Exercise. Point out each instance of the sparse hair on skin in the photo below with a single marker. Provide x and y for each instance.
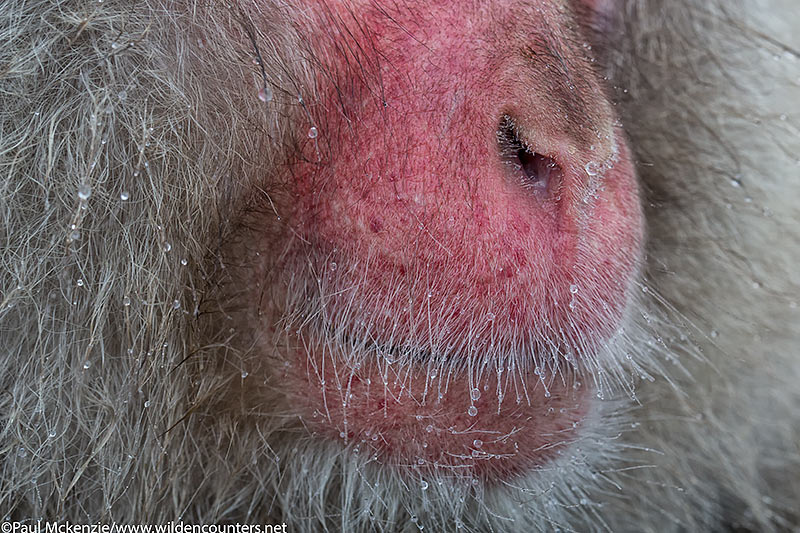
(133, 135)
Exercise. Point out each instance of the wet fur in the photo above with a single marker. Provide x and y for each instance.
(114, 412)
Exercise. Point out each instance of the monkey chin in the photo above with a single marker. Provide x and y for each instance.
(418, 422)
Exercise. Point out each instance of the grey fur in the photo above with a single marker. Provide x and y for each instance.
(104, 417)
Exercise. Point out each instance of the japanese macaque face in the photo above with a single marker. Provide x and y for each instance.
(444, 277)
(384, 266)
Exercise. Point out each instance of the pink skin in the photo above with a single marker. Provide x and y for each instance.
(412, 204)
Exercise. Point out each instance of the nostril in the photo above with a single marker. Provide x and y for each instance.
(531, 169)
(537, 169)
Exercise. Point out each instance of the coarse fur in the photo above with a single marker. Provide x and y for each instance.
(116, 401)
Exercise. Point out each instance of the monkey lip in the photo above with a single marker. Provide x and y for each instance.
(422, 418)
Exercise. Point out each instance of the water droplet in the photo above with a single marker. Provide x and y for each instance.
(472, 411)
(184, 261)
(573, 289)
(244, 374)
(429, 428)
(84, 191)
(312, 132)
(167, 247)
(52, 433)
(475, 394)
(265, 94)
(147, 403)
(176, 304)
(592, 168)
(126, 301)
(333, 266)
(477, 443)
(86, 365)
(424, 485)
(124, 195)
(79, 282)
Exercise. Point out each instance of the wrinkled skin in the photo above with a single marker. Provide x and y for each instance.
(384, 266)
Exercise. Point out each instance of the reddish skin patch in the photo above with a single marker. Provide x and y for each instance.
(410, 426)
(416, 187)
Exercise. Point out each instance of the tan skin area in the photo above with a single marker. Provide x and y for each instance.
(403, 213)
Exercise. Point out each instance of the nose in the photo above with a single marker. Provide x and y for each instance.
(474, 179)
